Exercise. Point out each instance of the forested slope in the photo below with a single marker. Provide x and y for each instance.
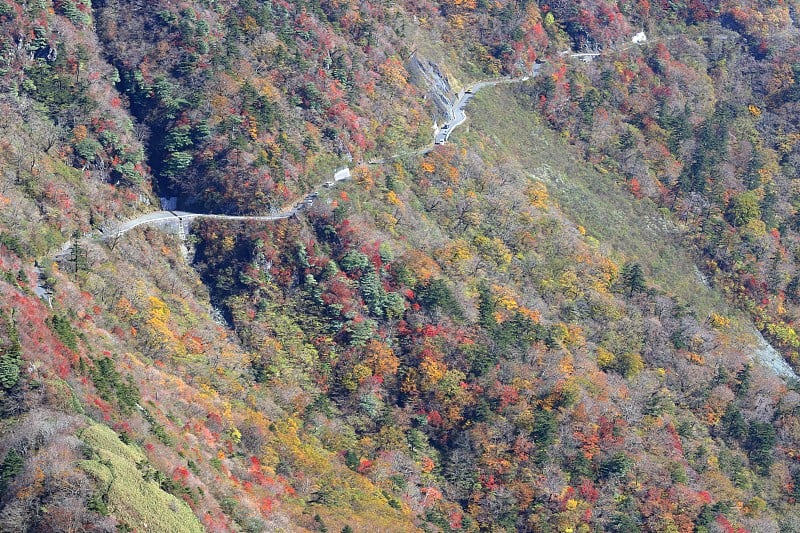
(544, 325)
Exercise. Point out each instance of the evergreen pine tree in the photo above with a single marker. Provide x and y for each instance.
(9, 468)
(633, 278)
(78, 256)
(743, 379)
(11, 358)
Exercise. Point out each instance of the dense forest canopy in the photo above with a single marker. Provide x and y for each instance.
(578, 314)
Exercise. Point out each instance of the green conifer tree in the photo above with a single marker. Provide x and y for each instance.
(11, 358)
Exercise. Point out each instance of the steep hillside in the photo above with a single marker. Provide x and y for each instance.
(547, 323)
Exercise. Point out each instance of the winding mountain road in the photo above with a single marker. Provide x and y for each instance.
(441, 135)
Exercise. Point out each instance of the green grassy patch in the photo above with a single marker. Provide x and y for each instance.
(126, 495)
(624, 228)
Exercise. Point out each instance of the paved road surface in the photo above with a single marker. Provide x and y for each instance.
(144, 219)
(184, 216)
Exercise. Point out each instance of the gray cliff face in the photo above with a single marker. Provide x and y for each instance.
(426, 73)
(770, 357)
